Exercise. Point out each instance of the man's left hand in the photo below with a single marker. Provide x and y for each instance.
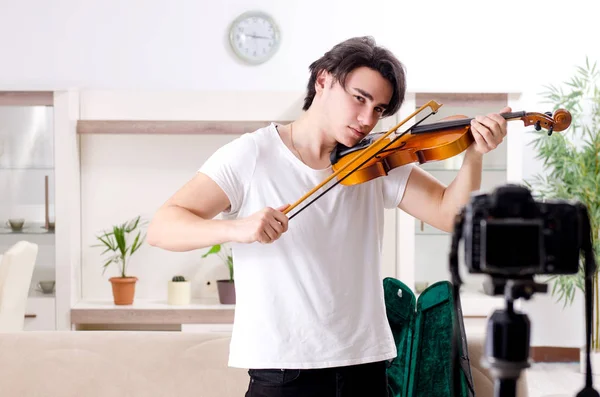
(489, 131)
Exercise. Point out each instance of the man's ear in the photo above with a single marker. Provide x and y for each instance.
(323, 78)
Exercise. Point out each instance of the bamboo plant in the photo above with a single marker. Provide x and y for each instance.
(571, 161)
(115, 243)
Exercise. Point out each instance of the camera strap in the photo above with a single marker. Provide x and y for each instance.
(457, 363)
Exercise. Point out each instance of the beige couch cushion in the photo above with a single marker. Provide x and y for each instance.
(129, 363)
(105, 363)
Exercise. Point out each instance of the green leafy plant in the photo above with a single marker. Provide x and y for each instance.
(571, 160)
(115, 241)
(223, 252)
(178, 279)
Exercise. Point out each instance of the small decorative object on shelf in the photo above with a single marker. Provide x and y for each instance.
(179, 291)
(16, 224)
(47, 224)
(46, 287)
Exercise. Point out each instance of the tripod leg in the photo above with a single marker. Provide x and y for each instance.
(505, 387)
(507, 349)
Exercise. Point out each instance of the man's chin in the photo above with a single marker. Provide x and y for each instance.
(349, 140)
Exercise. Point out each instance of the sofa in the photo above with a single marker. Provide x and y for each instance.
(16, 270)
(141, 363)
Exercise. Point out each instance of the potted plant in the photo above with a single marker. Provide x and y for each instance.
(226, 288)
(179, 291)
(572, 166)
(115, 241)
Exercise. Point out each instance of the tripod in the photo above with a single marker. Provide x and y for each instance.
(508, 333)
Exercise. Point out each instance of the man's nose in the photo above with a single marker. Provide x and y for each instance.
(367, 118)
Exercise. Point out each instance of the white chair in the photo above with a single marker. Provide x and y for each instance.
(16, 270)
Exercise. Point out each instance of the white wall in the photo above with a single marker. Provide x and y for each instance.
(461, 46)
(465, 45)
(118, 183)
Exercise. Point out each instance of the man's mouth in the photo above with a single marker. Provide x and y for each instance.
(357, 133)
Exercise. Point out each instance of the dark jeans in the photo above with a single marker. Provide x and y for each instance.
(364, 380)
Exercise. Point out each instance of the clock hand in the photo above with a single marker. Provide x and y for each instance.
(254, 36)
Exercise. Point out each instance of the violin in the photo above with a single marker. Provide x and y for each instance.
(378, 153)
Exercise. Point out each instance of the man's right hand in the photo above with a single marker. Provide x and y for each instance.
(264, 226)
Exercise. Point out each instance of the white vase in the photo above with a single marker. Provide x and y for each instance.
(594, 358)
(179, 293)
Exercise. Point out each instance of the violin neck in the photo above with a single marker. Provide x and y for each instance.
(444, 125)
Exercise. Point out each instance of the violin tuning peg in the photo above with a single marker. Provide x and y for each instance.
(550, 130)
(549, 114)
(537, 126)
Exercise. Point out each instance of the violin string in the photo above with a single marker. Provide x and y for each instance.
(360, 165)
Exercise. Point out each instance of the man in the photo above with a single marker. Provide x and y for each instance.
(310, 316)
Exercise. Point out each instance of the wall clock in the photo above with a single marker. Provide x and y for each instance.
(254, 37)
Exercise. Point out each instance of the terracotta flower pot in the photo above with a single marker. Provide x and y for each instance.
(123, 289)
(226, 290)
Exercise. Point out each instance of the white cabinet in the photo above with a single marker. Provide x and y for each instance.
(27, 191)
(40, 314)
(421, 251)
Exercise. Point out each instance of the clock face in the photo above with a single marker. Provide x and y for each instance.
(254, 37)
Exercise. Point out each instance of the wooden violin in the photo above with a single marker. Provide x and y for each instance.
(378, 153)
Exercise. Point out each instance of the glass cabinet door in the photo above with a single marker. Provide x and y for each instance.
(27, 186)
(432, 245)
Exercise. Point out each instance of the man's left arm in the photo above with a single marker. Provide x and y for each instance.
(430, 201)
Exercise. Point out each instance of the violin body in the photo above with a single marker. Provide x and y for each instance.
(413, 148)
(422, 144)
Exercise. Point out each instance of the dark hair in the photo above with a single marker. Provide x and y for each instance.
(353, 53)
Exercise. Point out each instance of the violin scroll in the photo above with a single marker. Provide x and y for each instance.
(559, 121)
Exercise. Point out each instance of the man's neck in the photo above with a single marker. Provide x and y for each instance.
(311, 138)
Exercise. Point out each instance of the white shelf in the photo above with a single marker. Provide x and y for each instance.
(34, 228)
(26, 168)
(151, 312)
(37, 294)
(141, 304)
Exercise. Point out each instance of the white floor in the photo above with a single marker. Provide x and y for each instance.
(557, 380)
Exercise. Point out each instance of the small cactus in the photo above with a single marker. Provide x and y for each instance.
(178, 278)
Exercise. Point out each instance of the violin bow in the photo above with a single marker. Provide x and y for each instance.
(367, 153)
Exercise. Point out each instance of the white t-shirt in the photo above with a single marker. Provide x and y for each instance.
(314, 297)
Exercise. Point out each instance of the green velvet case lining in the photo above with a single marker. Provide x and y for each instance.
(422, 332)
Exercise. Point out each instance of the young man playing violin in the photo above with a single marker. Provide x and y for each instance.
(310, 316)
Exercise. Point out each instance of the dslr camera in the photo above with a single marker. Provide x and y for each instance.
(507, 234)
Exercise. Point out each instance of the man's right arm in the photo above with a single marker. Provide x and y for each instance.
(185, 222)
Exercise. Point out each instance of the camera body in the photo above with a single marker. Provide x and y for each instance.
(508, 234)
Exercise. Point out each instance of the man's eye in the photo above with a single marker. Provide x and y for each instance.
(359, 98)
(379, 110)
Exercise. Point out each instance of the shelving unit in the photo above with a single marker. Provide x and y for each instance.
(27, 191)
(422, 249)
(81, 115)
